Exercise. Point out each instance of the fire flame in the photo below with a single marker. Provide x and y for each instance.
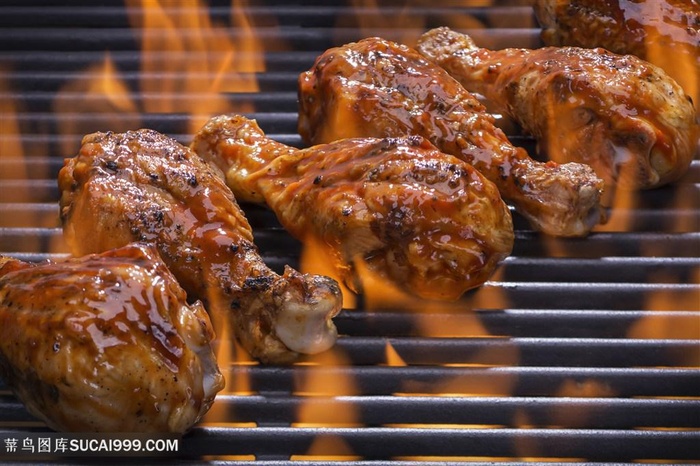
(322, 389)
(328, 447)
(392, 357)
(10, 145)
(186, 53)
(404, 22)
(667, 325)
(317, 380)
(97, 91)
(189, 66)
(15, 168)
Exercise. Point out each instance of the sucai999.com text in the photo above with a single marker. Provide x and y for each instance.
(86, 444)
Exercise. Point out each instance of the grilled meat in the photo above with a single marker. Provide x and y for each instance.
(663, 32)
(144, 186)
(424, 220)
(378, 88)
(106, 343)
(619, 114)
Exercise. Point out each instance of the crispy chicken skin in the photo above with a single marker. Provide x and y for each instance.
(106, 343)
(663, 32)
(619, 114)
(144, 186)
(424, 220)
(378, 88)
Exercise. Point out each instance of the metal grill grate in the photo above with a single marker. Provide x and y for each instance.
(579, 350)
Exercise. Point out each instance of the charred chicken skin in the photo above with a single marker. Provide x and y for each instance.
(619, 114)
(663, 32)
(144, 186)
(424, 220)
(378, 88)
(106, 343)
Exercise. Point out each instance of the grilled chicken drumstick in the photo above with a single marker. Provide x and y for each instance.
(378, 88)
(663, 32)
(144, 186)
(621, 115)
(106, 343)
(426, 221)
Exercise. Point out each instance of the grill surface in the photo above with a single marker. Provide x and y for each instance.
(578, 350)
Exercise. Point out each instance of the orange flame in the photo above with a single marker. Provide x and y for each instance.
(319, 381)
(322, 388)
(10, 145)
(11, 153)
(369, 18)
(669, 325)
(185, 53)
(189, 65)
(402, 23)
(392, 357)
(328, 447)
(230, 356)
(99, 90)
(580, 416)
